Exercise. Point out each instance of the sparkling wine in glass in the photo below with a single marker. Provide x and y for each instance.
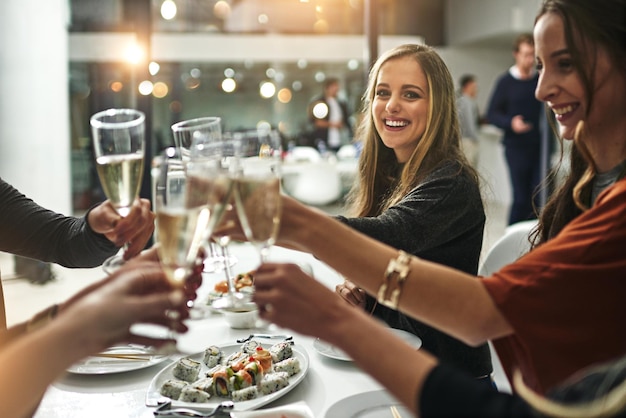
(200, 139)
(118, 138)
(181, 220)
(257, 189)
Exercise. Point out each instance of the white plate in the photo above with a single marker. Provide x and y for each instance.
(154, 396)
(328, 350)
(294, 410)
(106, 365)
(375, 404)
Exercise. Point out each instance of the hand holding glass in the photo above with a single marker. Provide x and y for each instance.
(118, 138)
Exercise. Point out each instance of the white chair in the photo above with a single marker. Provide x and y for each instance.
(347, 152)
(511, 246)
(315, 184)
(301, 154)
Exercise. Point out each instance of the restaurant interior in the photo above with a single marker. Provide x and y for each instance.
(254, 63)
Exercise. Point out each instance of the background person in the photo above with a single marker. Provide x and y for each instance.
(469, 117)
(514, 109)
(329, 117)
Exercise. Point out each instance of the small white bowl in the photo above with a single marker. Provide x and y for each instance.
(242, 319)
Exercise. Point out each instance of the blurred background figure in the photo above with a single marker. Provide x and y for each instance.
(514, 109)
(330, 118)
(469, 117)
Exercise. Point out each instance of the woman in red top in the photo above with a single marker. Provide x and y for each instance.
(554, 311)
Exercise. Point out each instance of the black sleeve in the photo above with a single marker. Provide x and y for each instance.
(30, 230)
(450, 393)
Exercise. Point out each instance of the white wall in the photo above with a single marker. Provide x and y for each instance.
(34, 114)
(470, 21)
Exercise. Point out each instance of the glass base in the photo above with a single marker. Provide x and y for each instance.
(113, 263)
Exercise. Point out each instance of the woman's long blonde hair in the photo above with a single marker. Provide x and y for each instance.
(382, 180)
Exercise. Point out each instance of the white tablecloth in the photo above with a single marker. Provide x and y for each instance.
(124, 394)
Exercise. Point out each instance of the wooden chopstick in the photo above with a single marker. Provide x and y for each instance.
(125, 356)
(395, 413)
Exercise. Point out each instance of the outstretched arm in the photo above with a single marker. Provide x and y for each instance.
(449, 300)
(95, 319)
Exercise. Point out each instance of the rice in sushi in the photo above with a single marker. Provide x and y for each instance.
(191, 394)
(281, 351)
(172, 388)
(205, 385)
(273, 382)
(291, 366)
(245, 394)
(186, 369)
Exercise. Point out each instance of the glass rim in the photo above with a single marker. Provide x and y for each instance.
(184, 125)
(96, 122)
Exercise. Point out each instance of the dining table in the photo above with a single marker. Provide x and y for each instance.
(124, 393)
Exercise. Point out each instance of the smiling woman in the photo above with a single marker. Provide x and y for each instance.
(416, 191)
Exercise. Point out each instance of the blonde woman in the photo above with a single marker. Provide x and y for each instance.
(416, 191)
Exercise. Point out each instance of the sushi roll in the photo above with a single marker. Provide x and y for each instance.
(241, 380)
(245, 394)
(186, 369)
(212, 356)
(212, 370)
(191, 394)
(264, 358)
(237, 355)
(273, 382)
(281, 351)
(205, 385)
(249, 347)
(172, 388)
(221, 382)
(291, 366)
(255, 371)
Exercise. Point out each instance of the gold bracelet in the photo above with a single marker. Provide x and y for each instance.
(42, 318)
(399, 267)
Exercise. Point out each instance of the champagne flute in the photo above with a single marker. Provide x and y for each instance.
(181, 220)
(201, 134)
(118, 137)
(257, 189)
(234, 300)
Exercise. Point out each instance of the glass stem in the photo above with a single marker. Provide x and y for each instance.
(227, 271)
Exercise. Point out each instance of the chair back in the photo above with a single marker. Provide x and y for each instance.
(316, 184)
(511, 246)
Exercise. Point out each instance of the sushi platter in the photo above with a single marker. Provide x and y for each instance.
(205, 379)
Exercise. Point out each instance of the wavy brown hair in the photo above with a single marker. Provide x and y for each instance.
(382, 180)
(588, 25)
